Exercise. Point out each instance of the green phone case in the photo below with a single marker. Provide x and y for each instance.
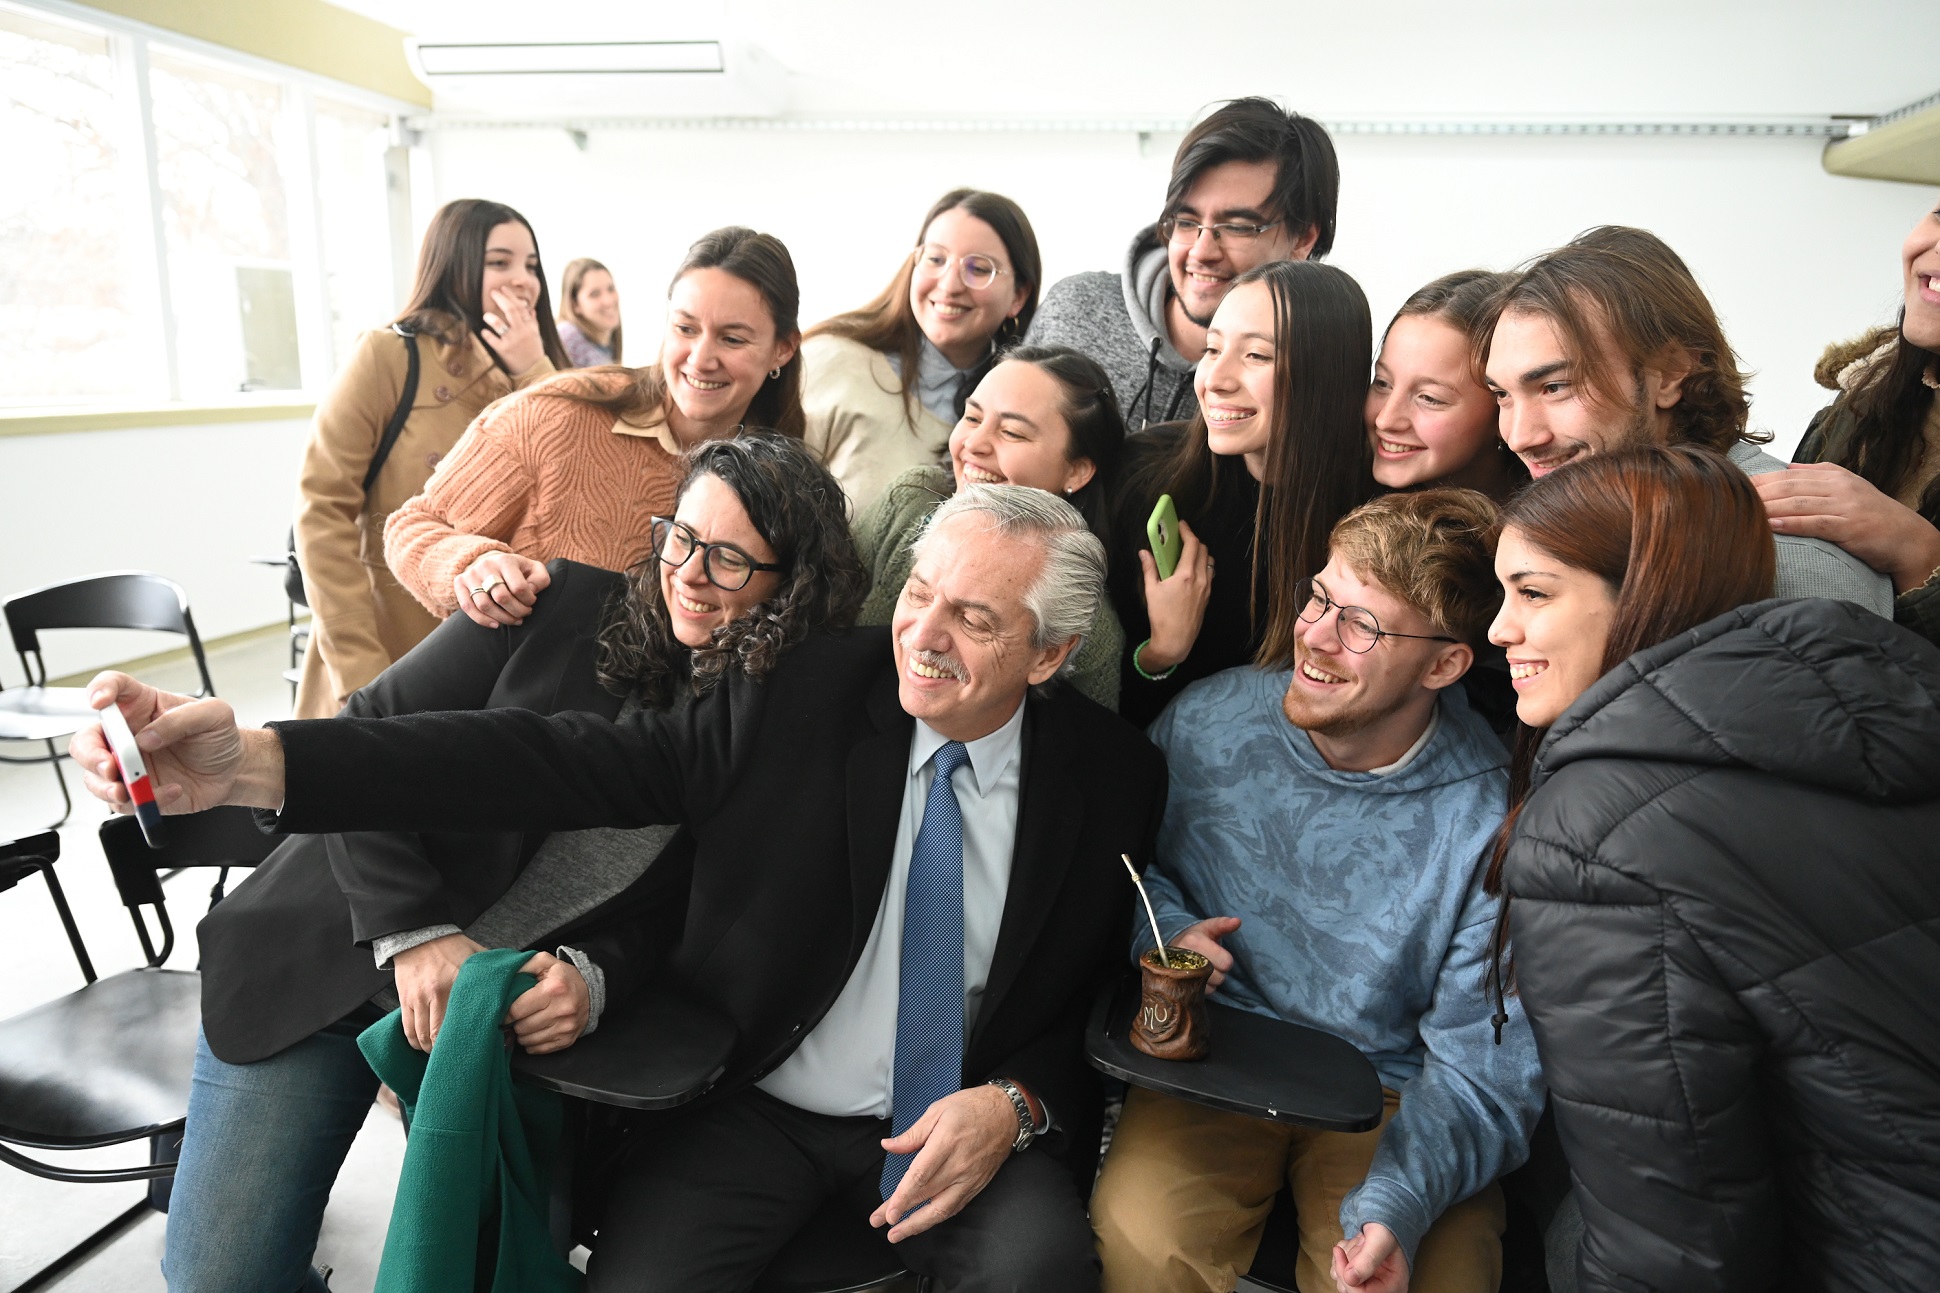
(1162, 532)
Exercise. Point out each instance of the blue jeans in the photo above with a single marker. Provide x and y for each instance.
(263, 1146)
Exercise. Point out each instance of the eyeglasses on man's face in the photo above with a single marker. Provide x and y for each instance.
(1356, 625)
(726, 566)
(1182, 231)
(977, 270)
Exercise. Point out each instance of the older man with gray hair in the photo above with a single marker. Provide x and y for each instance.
(906, 892)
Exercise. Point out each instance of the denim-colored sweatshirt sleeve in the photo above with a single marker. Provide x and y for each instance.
(1467, 1118)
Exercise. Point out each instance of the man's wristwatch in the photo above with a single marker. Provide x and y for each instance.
(1026, 1124)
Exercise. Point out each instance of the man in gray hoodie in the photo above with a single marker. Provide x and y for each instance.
(1251, 183)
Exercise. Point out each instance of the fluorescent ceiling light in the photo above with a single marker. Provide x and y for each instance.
(644, 56)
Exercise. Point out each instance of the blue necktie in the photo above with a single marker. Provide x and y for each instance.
(929, 1003)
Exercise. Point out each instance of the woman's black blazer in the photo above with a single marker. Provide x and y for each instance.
(289, 951)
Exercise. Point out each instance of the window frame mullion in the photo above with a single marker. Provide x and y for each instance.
(131, 61)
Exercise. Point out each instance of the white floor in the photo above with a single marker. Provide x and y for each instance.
(39, 1220)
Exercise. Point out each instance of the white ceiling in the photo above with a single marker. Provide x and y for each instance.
(1642, 59)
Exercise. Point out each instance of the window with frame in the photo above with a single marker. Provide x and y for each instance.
(77, 318)
(197, 227)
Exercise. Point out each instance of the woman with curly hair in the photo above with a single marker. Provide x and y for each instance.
(334, 930)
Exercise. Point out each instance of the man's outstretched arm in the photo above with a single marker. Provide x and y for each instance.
(486, 770)
(196, 754)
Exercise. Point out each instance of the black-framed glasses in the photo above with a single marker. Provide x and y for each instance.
(726, 566)
(1358, 628)
(1183, 232)
(977, 270)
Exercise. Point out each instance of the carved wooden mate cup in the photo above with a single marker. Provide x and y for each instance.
(1172, 1023)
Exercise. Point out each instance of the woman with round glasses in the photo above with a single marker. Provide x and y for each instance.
(1043, 416)
(572, 468)
(884, 384)
(333, 930)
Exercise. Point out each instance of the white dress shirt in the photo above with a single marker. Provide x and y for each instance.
(846, 1066)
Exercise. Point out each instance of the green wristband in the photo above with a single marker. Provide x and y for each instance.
(1140, 669)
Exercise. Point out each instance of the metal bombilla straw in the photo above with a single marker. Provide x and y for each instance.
(1150, 915)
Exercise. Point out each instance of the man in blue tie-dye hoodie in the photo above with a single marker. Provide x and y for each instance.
(1324, 843)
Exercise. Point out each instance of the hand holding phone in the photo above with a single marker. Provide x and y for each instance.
(134, 774)
(1175, 600)
(1162, 532)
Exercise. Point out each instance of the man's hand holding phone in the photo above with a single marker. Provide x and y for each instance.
(196, 755)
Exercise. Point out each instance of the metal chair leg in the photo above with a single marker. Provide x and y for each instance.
(67, 801)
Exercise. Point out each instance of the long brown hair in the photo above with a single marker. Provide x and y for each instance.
(888, 324)
(446, 301)
(1319, 466)
(576, 272)
(1889, 403)
(1680, 537)
(762, 262)
(1627, 285)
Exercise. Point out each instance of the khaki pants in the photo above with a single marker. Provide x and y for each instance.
(1185, 1192)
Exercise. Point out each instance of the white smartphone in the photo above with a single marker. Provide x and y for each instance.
(134, 774)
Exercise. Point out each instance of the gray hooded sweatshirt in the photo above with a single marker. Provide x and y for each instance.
(1119, 320)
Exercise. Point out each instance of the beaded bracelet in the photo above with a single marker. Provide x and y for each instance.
(1140, 669)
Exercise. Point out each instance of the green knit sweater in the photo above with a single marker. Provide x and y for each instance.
(884, 533)
(481, 1149)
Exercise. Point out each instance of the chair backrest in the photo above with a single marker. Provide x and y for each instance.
(126, 599)
(38, 853)
(220, 837)
(23, 857)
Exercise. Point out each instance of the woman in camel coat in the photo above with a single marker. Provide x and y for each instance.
(483, 325)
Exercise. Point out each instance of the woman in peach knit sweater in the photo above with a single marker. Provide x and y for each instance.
(575, 467)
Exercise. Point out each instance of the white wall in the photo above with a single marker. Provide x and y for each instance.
(190, 502)
(1792, 257)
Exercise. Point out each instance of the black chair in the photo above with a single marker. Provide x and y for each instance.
(1264, 1068)
(299, 633)
(122, 600)
(110, 1063)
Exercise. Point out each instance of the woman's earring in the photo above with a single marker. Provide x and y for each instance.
(774, 373)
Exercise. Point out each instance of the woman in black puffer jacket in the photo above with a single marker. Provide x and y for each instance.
(1725, 867)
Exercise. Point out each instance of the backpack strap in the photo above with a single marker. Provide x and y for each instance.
(395, 427)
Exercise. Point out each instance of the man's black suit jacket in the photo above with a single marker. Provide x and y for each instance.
(288, 952)
(792, 788)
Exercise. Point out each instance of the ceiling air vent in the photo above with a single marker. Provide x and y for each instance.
(701, 78)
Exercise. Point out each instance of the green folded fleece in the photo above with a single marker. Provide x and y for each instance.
(473, 1198)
